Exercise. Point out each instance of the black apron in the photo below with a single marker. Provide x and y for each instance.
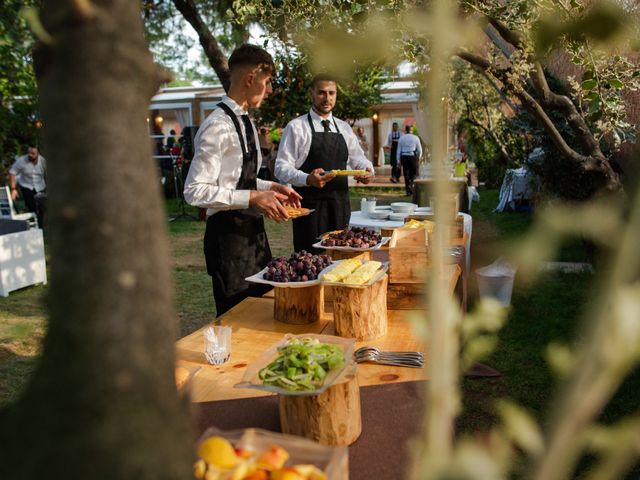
(235, 242)
(393, 160)
(331, 203)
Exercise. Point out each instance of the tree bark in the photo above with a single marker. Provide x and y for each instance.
(102, 402)
(212, 50)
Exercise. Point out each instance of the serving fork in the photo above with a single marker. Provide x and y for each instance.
(399, 359)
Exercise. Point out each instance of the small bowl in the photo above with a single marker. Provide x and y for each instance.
(403, 207)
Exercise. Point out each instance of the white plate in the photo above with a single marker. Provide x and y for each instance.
(422, 210)
(382, 208)
(381, 215)
(258, 278)
(383, 241)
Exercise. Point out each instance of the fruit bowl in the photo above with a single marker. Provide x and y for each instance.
(333, 461)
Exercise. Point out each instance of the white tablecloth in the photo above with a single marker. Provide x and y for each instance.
(359, 220)
(518, 184)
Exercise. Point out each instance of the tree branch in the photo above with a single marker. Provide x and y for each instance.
(212, 50)
(594, 161)
(514, 38)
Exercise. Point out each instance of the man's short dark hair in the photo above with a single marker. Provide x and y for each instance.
(32, 145)
(323, 77)
(395, 124)
(248, 55)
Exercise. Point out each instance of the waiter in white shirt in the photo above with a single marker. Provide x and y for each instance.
(311, 145)
(409, 152)
(28, 172)
(223, 179)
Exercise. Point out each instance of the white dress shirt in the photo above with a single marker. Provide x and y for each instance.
(409, 144)
(29, 175)
(217, 163)
(296, 143)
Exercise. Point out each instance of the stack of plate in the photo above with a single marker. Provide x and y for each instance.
(399, 217)
(423, 210)
(379, 214)
(403, 207)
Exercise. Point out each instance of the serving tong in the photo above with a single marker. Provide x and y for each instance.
(398, 359)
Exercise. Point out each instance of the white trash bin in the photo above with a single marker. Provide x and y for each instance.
(496, 281)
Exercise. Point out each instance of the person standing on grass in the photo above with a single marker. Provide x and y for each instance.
(223, 179)
(409, 152)
(312, 144)
(28, 172)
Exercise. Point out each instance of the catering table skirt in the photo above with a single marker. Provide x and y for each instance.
(391, 416)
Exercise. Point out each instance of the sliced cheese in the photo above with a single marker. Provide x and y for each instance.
(363, 274)
(342, 270)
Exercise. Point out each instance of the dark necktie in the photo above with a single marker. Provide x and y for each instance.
(326, 124)
(248, 129)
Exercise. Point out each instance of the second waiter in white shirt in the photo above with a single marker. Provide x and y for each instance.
(223, 179)
(312, 144)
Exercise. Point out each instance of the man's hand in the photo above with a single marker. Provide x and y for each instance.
(366, 178)
(319, 181)
(14, 194)
(269, 203)
(293, 197)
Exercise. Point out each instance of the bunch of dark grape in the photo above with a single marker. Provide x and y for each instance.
(299, 267)
(356, 237)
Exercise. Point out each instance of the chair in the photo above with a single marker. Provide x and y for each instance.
(8, 211)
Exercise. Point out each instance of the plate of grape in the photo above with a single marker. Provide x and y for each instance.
(352, 239)
(299, 270)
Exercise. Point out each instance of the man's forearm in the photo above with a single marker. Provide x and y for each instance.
(12, 181)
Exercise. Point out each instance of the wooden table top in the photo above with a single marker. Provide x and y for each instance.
(254, 330)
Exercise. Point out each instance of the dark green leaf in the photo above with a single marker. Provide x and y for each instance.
(589, 85)
(594, 105)
(615, 83)
(587, 75)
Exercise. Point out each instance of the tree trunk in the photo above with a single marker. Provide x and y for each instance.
(102, 402)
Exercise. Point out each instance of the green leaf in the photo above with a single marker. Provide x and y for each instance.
(589, 85)
(594, 105)
(615, 83)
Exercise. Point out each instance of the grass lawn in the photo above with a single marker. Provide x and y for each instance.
(548, 310)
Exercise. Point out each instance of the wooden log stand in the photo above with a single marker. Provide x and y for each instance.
(361, 313)
(298, 306)
(331, 418)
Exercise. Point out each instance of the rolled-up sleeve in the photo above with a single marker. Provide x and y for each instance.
(202, 187)
(15, 168)
(288, 154)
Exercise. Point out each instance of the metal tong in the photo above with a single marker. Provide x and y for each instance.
(398, 359)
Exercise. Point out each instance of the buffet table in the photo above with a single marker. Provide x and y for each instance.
(390, 397)
(254, 330)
